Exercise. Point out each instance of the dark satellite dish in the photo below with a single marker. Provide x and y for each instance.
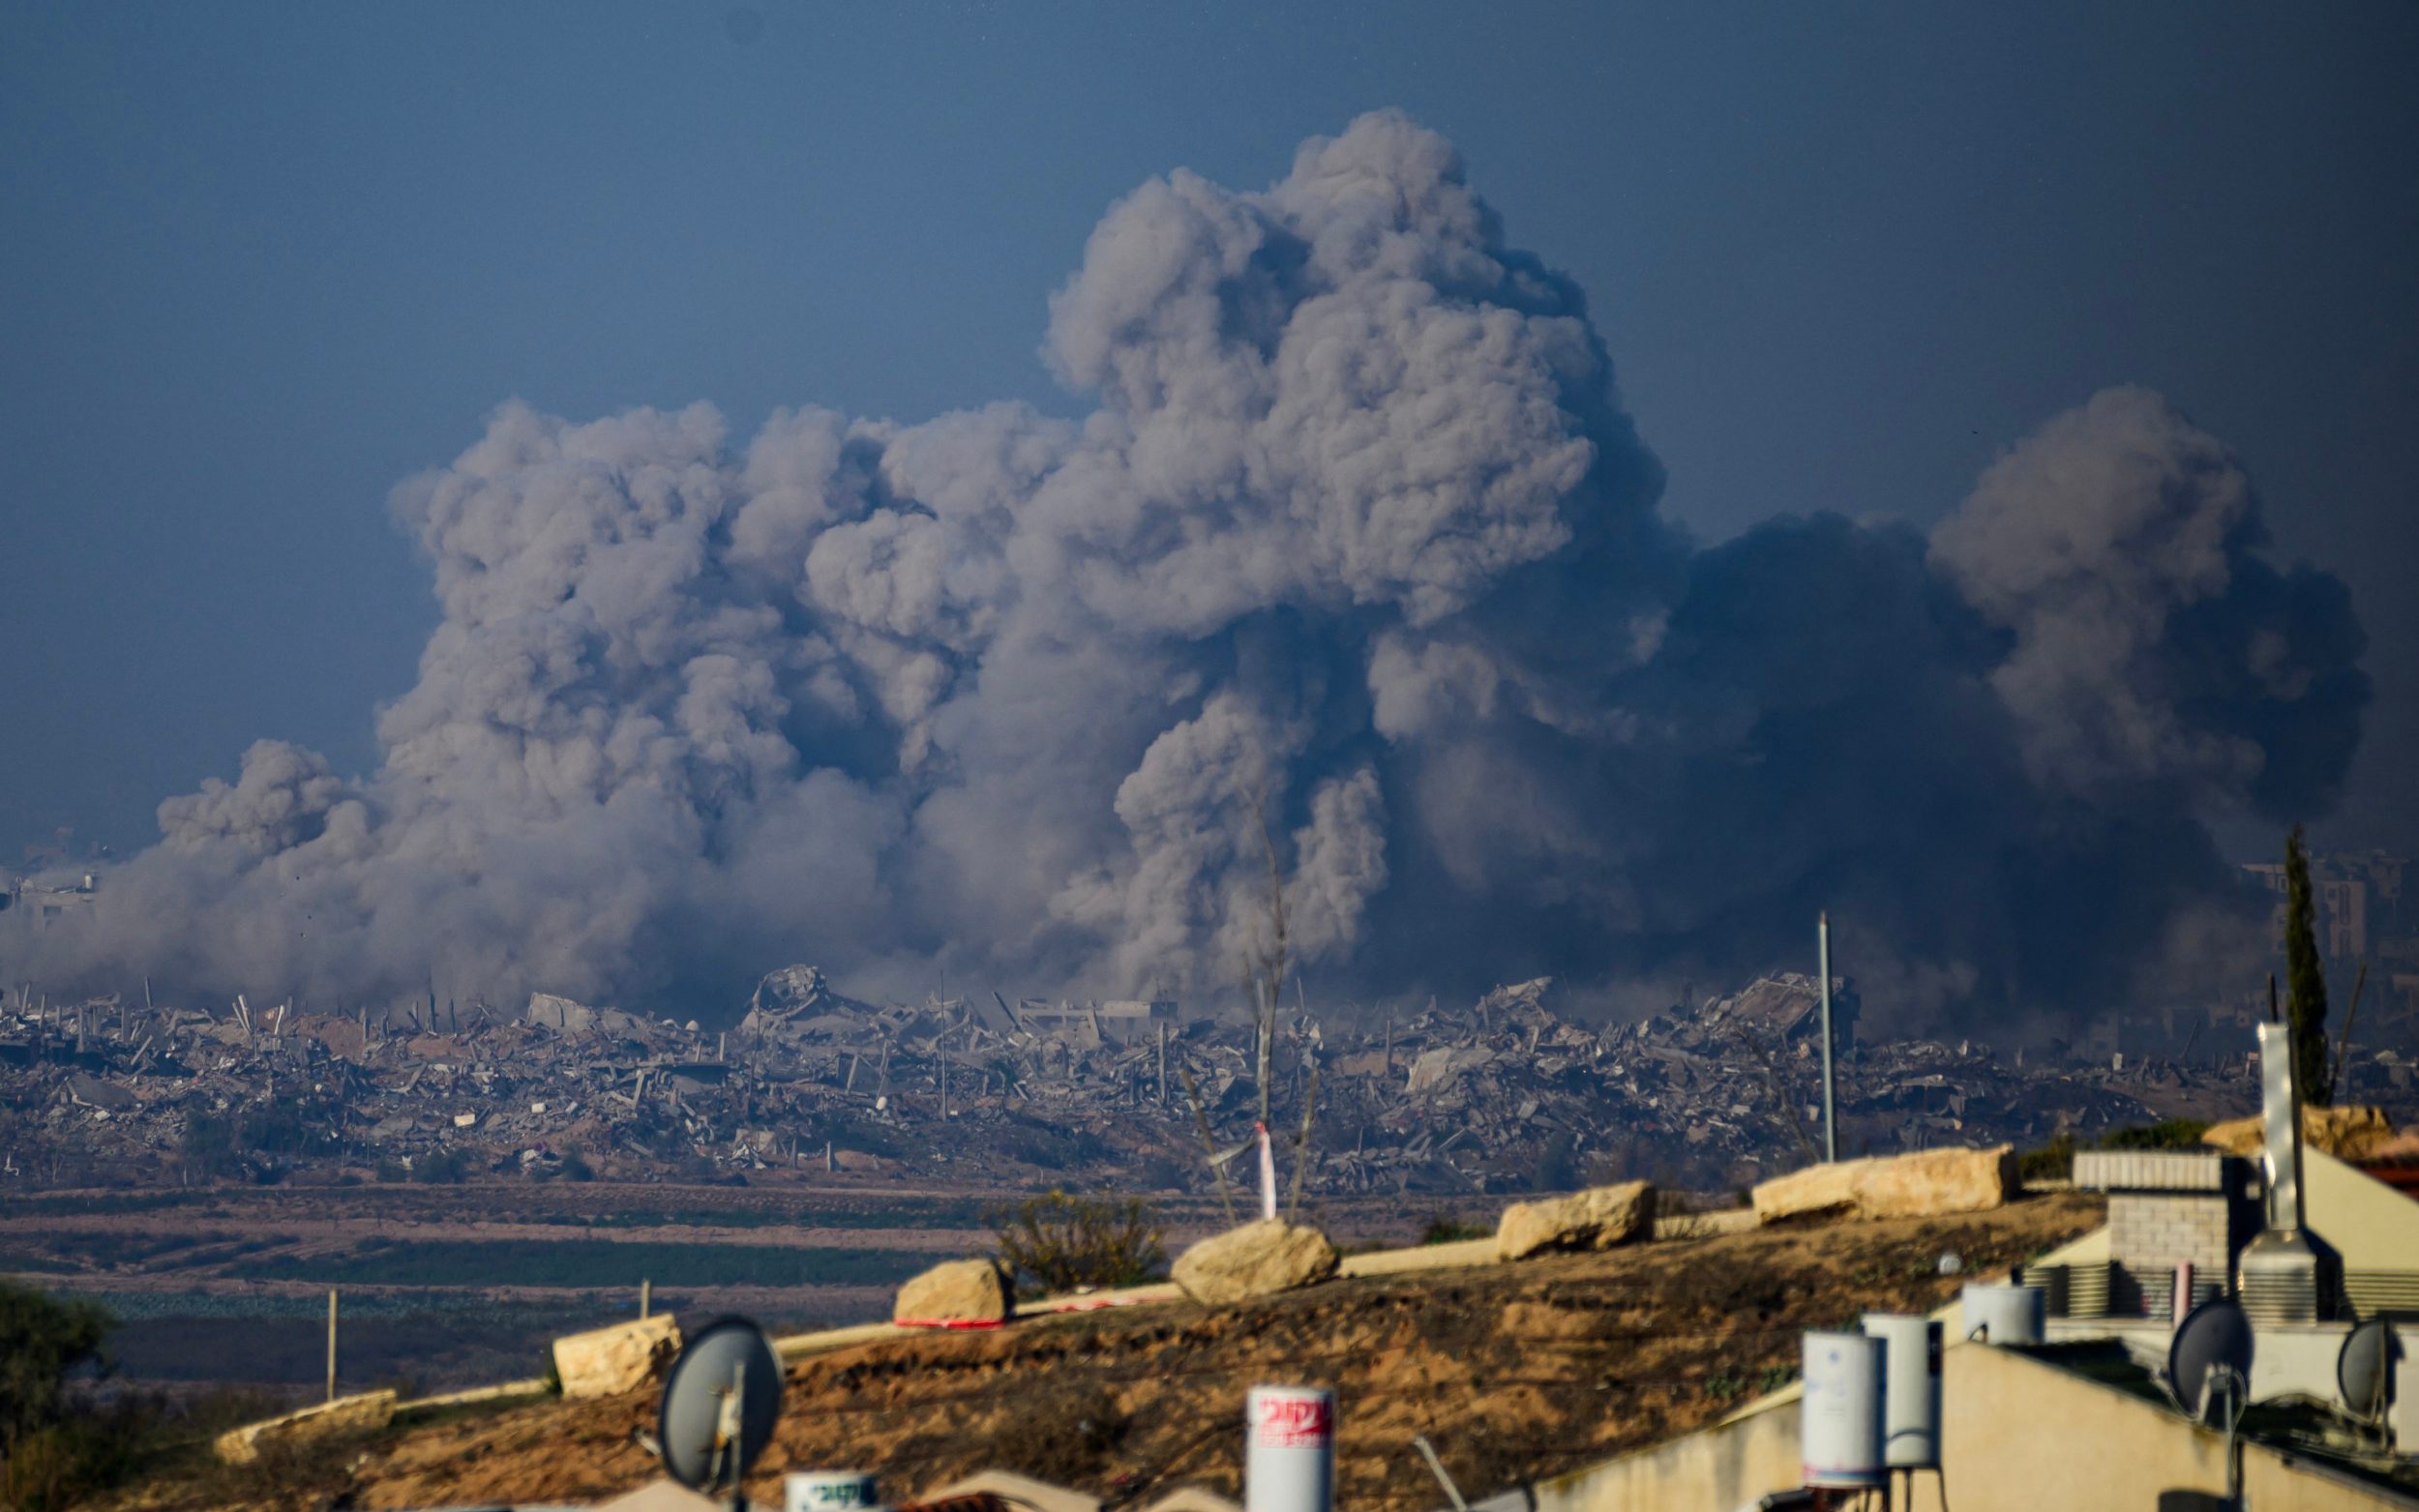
(2214, 1340)
(2364, 1370)
(718, 1405)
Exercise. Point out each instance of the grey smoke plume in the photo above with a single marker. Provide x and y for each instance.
(1355, 527)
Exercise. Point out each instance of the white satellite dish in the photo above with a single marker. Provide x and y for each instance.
(2212, 1347)
(720, 1403)
(2364, 1369)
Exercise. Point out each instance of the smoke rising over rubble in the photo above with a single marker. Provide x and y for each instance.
(1357, 528)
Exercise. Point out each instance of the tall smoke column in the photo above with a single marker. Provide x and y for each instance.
(1354, 523)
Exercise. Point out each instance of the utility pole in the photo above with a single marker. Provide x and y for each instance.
(1822, 953)
(331, 1343)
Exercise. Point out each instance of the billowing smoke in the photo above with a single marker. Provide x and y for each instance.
(1355, 550)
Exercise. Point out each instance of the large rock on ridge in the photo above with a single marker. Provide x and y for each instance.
(957, 1291)
(606, 1362)
(1596, 1219)
(365, 1413)
(2347, 1133)
(1254, 1260)
(1894, 1186)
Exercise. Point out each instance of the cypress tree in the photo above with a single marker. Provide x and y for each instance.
(2306, 982)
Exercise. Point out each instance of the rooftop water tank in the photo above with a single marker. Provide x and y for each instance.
(1911, 1389)
(1289, 1453)
(2005, 1313)
(1840, 1420)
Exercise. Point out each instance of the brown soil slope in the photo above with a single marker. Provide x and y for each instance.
(1512, 1372)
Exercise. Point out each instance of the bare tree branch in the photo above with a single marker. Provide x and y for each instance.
(1209, 1145)
(1301, 1146)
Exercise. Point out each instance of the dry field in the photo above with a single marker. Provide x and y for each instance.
(452, 1286)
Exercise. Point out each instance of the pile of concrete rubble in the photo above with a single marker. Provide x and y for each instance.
(1503, 1094)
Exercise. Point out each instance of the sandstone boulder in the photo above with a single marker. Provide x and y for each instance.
(364, 1414)
(2345, 1132)
(1596, 1219)
(1828, 1190)
(958, 1292)
(1895, 1186)
(1254, 1260)
(606, 1362)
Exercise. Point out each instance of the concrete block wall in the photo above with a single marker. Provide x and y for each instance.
(2166, 1208)
(2155, 1231)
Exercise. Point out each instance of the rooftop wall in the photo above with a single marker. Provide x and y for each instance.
(2018, 1435)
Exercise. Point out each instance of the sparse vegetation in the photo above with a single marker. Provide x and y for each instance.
(46, 1455)
(42, 1340)
(1453, 1229)
(2050, 1162)
(1065, 1243)
(2167, 1133)
(2055, 1160)
(444, 1167)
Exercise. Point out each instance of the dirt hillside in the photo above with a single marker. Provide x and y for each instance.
(1512, 1372)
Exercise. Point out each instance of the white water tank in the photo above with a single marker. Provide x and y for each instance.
(1840, 1419)
(2005, 1313)
(1289, 1449)
(1910, 1411)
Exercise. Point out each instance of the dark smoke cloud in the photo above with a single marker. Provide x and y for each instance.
(1356, 526)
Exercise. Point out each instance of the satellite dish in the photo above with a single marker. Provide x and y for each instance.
(2213, 1339)
(720, 1402)
(2364, 1370)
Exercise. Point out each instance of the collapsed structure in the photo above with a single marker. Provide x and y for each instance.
(1503, 1094)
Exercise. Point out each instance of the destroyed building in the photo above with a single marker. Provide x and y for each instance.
(1504, 1093)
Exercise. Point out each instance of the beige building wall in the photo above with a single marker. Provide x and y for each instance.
(2370, 1224)
(2017, 1433)
(2016, 1436)
(1727, 1466)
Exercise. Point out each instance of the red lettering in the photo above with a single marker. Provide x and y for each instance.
(1295, 1422)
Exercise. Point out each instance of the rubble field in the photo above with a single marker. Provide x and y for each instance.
(1512, 1369)
(1504, 1094)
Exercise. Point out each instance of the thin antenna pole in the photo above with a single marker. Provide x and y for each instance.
(1436, 1467)
(1822, 953)
(2344, 1041)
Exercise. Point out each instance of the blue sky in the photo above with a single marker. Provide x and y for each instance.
(260, 263)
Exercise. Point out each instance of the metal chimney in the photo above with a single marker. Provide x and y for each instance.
(2282, 1273)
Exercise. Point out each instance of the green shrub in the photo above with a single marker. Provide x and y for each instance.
(2053, 1162)
(2167, 1133)
(1063, 1242)
(441, 1168)
(1450, 1229)
(41, 1339)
